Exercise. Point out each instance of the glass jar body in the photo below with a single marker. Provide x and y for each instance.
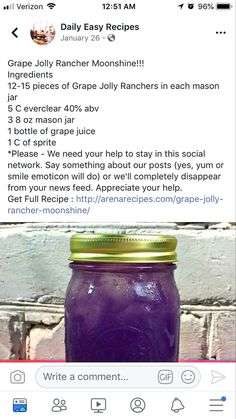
(122, 313)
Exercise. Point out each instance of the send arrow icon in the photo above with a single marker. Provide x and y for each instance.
(216, 376)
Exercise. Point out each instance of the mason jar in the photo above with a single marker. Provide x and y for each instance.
(122, 303)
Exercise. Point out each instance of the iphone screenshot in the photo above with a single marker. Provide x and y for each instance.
(117, 215)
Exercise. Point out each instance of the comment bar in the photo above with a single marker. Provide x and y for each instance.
(68, 376)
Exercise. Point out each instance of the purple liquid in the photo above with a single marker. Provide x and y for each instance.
(122, 313)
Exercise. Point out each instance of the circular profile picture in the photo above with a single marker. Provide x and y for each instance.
(42, 33)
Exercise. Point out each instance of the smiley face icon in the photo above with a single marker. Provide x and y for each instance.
(188, 376)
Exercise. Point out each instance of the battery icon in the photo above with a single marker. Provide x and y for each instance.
(223, 6)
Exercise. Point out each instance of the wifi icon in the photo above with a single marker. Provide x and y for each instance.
(51, 5)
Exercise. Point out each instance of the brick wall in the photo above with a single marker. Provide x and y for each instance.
(34, 274)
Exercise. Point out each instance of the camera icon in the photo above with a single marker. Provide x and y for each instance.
(17, 377)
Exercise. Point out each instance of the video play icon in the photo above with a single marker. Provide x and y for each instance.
(98, 405)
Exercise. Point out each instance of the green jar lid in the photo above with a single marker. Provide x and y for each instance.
(122, 248)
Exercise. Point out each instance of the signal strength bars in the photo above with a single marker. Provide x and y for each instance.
(9, 7)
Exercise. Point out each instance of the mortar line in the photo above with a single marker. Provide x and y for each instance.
(210, 337)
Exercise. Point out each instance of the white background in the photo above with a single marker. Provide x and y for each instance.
(177, 46)
(158, 401)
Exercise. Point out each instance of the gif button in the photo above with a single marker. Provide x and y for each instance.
(165, 376)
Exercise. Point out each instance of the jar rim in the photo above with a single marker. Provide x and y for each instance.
(123, 248)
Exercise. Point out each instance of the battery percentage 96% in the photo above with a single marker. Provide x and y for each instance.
(206, 6)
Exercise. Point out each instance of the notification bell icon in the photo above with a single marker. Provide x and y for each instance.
(177, 405)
